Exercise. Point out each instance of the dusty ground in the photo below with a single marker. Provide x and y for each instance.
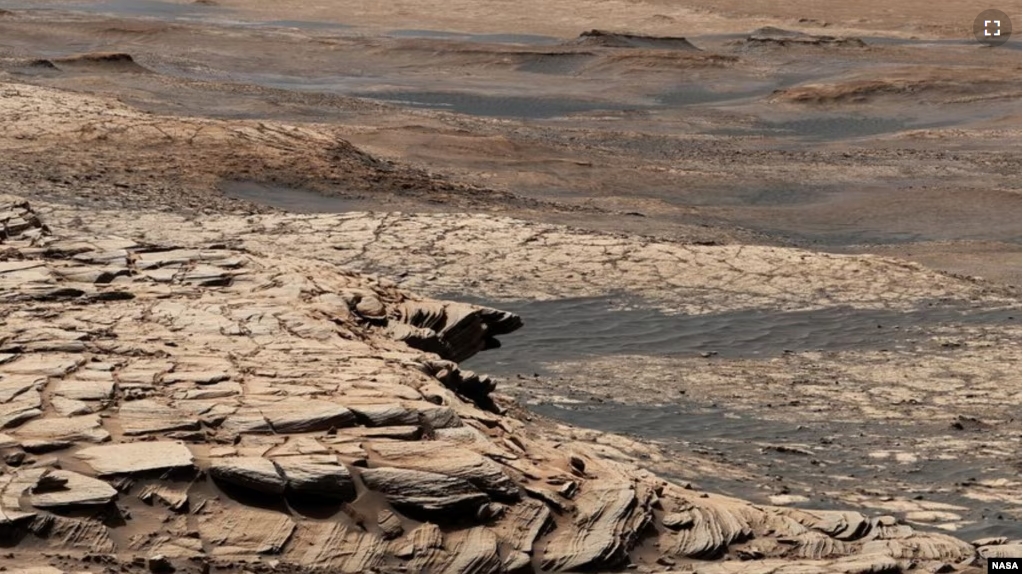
(902, 147)
(715, 189)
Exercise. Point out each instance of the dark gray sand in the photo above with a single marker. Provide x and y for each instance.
(577, 328)
(779, 452)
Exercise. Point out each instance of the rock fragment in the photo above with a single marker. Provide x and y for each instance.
(128, 458)
(449, 459)
(429, 493)
(49, 433)
(251, 472)
(246, 531)
(149, 416)
(293, 416)
(599, 536)
(317, 475)
(66, 488)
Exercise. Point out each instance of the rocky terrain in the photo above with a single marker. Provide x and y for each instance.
(180, 402)
(484, 287)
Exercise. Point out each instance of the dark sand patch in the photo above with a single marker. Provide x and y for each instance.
(524, 39)
(149, 9)
(496, 106)
(827, 128)
(555, 63)
(692, 94)
(302, 25)
(286, 198)
(786, 454)
(569, 329)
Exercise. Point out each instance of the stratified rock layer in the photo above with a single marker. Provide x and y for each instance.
(212, 392)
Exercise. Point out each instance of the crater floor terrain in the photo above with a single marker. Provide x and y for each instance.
(477, 287)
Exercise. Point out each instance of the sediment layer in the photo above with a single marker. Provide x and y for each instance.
(178, 402)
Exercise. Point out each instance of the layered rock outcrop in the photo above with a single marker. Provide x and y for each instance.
(178, 404)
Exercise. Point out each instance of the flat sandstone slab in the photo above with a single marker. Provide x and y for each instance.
(134, 457)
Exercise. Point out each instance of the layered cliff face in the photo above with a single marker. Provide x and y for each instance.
(181, 403)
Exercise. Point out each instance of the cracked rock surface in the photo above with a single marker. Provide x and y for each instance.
(177, 400)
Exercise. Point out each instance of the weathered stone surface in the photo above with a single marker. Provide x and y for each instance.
(92, 389)
(389, 524)
(423, 547)
(473, 551)
(295, 378)
(390, 432)
(86, 428)
(23, 407)
(246, 531)
(127, 458)
(251, 472)
(174, 496)
(317, 475)
(524, 523)
(148, 416)
(306, 416)
(425, 492)
(1001, 549)
(78, 535)
(70, 407)
(43, 364)
(12, 486)
(66, 488)
(337, 548)
(445, 458)
(12, 385)
(7, 441)
(197, 377)
(707, 530)
(209, 392)
(598, 536)
(299, 445)
(455, 331)
(385, 414)
(472, 439)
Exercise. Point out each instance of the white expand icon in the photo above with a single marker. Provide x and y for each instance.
(998, 27)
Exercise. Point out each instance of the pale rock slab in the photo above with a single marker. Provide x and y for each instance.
(446, 458)
(127, 458)
(317, 475)
(337, 548)
(68, 488)
(148, 416)
(425, 492)
(301, 416)
(596, 535)
(23, 407)
(246, 531)
(251, 472)
(62, 431)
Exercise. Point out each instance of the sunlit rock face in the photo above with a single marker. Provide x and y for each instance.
(183, 401)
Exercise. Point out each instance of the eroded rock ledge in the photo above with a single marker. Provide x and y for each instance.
(171, 407)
